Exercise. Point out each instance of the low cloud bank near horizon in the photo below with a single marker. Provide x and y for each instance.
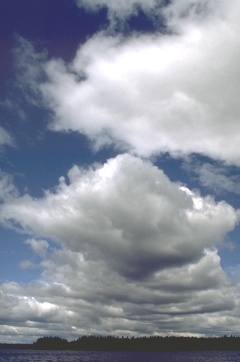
(125, 250)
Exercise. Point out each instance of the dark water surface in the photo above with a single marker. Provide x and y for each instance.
(82, 356)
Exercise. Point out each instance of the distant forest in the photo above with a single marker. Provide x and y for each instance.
(109, 343)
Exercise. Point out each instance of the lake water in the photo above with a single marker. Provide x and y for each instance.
(82, 356)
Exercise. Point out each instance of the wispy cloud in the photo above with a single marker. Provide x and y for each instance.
(123, 10)
(5, 138)
(7, 187)
(27, 264)
(217, 178)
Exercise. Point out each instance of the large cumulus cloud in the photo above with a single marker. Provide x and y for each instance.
(126, 213)
(155, 93)
(121, 249)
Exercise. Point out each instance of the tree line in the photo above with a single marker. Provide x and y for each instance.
(111, 343)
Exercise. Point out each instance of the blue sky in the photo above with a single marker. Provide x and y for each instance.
(119, 165)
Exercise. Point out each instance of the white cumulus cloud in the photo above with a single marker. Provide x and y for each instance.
(127, 213)
(151, 94)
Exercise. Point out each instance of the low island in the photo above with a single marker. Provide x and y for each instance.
(110, 343)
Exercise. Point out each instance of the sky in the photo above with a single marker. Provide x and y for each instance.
(119, 168)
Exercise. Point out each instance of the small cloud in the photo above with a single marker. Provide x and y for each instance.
(30, 72)
(5, 138)
(26, 264)
(7, 188)
(40, 247)
(215, 176)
